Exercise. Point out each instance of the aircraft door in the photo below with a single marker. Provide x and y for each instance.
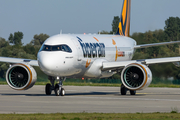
(78, 48)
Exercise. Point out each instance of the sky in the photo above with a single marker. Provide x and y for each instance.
(80, 16)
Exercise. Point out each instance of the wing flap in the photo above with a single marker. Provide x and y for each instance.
(18, 60)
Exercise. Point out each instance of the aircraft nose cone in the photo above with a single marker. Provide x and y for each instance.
(46, 62)
(55, 64)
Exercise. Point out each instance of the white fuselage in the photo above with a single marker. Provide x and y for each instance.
(78, 56)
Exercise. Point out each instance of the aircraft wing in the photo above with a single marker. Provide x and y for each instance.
(155, 44)
(18, 60)
(122, 64)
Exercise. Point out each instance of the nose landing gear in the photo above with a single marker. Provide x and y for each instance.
(58, 88)
(59, 91)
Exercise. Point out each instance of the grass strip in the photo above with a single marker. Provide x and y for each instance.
(92, 116)
(101, 84)
(109, 84)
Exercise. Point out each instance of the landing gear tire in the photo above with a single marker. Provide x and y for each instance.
(56, 86)
(56, 90)
(132, 92)
(123, 90)
(59, 92)
(62, 91)
(48, 89)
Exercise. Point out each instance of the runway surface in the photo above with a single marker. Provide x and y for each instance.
(88, 99)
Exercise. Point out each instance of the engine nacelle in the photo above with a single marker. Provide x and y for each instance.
(21, 76)
(136, 76)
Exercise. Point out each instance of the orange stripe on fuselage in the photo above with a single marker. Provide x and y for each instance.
(88, 62)
(116, 55)
(113, 42)
(96, 39)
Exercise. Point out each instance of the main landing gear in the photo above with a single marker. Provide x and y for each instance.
(57, 88)
(124, 90)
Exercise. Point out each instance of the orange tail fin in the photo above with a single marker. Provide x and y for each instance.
(124, 23)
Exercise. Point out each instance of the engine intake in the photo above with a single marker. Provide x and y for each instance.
(136, 76)
(21, 76)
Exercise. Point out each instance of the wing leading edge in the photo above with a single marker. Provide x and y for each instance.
(18, 60)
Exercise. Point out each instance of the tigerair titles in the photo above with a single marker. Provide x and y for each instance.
(92, 50)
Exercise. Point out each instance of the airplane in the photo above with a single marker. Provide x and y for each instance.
(87, 56)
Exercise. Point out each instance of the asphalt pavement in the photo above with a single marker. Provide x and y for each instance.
(88, 99)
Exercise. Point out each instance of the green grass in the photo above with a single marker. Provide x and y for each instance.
(92, 116)
(3, 83)
(165, 85)
(100, 84)
(108, 84)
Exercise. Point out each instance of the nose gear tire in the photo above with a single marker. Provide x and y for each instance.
(62, 92)
(59, 92)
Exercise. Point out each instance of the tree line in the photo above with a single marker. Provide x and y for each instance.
(13, 47)
(171, 32)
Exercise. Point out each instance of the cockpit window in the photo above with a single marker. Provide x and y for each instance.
(56, 48)
(64, 48)
(47, 48)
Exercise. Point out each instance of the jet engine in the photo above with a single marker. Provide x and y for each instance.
(21, 76)
(136, 76)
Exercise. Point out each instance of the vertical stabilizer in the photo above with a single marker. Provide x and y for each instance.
(124, 23)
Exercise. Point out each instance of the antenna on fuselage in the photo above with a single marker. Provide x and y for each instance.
(60, 32)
